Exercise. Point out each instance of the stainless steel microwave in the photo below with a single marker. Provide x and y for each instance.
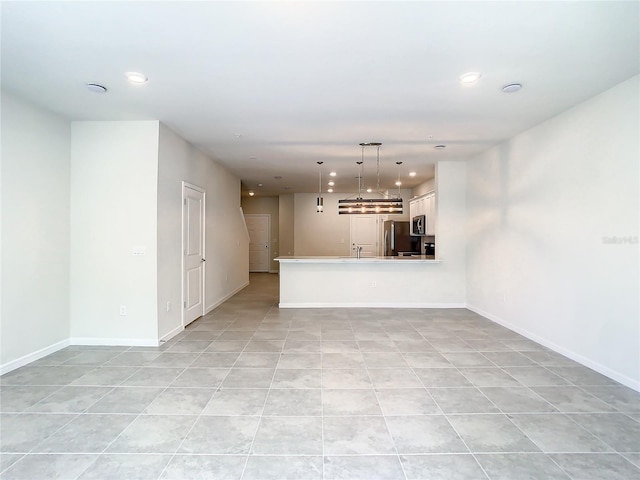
(419, 225)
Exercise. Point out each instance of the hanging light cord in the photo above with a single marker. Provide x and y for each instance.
(361, 175)
(378, 169)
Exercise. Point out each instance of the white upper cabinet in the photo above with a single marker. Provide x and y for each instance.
(425, 205)
(430, 212)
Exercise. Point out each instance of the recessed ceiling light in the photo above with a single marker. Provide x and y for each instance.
(136, 78)
(251, 194)
(260, 185)
(332, 174)
(369, 190)
(278, 177)
(330, 190)
(398, 183)
(512, 88)
(412, 174)
(331, 183)
(440, 147)
(470, 78)
(96, 88)
(287, 188)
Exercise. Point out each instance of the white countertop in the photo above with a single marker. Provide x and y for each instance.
(329, 259)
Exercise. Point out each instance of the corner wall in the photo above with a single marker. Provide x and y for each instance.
(552, 246)
(285, 224)
(34, 250)
(114, 176)
(450, 185)
(226, 243)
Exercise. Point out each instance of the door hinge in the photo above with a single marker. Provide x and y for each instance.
(185, 304)
(185, 201)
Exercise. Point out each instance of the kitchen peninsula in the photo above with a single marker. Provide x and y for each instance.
(392, 282)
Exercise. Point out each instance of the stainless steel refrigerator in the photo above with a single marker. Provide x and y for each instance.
(398, 239)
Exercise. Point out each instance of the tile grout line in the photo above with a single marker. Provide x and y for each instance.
(324, 457)
(440, 408)
(264, 404)
(104, 451)
(384, 417)
(216, 390)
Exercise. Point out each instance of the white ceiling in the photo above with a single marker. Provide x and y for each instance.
(270, 88)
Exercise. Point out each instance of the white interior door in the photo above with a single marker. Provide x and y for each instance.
(364, 233)
(193, 228)
(259, 226)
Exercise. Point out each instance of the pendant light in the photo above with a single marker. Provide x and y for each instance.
(398, 182)
(319, 200)
(376, 206)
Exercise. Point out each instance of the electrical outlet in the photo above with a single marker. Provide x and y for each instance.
(123, 310)
(374, 284)
(168, 306)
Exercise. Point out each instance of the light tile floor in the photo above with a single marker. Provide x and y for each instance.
(253, 392)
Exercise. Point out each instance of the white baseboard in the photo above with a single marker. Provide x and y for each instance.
(125, 342)
(172, 333)
(587, 362)
(225, 298)
(33, 356)
(370, 305)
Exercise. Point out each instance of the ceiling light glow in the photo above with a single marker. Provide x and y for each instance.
(412, 174)
(330, 190)
(470, 78)
(251, 194)
(332, 174)
(331, 183)
(136, 78)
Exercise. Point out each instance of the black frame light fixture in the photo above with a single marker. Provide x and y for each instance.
(357, 205)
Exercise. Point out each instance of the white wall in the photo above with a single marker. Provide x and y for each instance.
(114, 177)
(541, 207)
(451, 207)
(35, 232)
(423, 188)
(226, 248)
(315, 233)
(285, 224)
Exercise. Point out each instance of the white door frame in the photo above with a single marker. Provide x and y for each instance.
(268, 217)
(186, 185)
